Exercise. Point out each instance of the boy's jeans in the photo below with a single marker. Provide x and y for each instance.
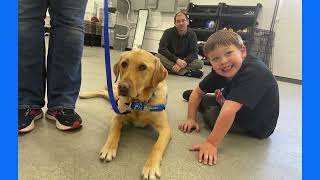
(63, 72)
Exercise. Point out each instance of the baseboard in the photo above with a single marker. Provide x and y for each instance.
(289, 80)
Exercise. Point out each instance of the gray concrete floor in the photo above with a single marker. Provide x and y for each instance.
(47, 153)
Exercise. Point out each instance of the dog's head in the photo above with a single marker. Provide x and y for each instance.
(139, 70)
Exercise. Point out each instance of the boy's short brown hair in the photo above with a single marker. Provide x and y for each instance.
(222, 38)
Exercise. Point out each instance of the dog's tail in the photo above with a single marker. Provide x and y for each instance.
(100, 93)
(94, 94)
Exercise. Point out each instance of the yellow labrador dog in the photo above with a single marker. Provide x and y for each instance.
(142, 79)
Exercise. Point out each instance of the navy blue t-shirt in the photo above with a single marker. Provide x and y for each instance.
(255, 87)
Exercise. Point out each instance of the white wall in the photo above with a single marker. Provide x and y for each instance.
(287, 56)
(90, 10)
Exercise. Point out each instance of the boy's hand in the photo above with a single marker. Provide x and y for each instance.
(188, 125)
(208, 153)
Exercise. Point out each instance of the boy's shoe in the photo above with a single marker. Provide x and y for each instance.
(194, 73)
(26, 118)
(186, 94)
(66, 119)
(206, 62)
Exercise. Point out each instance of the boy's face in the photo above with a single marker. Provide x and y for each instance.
(226, 61)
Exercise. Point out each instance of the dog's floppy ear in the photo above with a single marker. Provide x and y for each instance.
(160, 73)
(116, 70)
(116, 66)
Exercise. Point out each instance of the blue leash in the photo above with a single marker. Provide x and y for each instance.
(107, 60)
(133, 105)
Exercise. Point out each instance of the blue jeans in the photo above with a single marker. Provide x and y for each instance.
(62, 72)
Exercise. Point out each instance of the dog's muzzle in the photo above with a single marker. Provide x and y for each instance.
(123, 89)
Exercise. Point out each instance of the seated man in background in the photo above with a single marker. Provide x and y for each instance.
(178, 50)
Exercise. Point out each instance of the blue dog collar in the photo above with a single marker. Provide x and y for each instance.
(141, 106)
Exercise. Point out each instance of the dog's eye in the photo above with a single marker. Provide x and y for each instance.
(124, 65)
(142, 67)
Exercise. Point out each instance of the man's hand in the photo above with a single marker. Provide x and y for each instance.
(181, 63)
(188, 125)
(207, 154)
(176, 68)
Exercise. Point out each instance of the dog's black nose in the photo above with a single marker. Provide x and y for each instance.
(123, 89)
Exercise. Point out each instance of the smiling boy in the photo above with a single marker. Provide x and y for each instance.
(246, 95)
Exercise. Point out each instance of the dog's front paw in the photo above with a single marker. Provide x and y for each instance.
(151, 169)
(108, 152)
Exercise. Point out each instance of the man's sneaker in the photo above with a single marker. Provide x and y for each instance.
(26, 118)
(186, 94)
(66, 119)
(194, 73)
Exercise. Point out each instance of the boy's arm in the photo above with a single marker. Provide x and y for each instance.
(194, 101)
(208, 152)
(224, 122)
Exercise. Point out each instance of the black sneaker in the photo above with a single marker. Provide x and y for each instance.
(206, 62)
(66, 119)
(194, 73)
(26, 119)
(186, 94)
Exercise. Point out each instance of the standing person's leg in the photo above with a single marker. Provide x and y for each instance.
(166, 62)
(31, 62)
(64, 61)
